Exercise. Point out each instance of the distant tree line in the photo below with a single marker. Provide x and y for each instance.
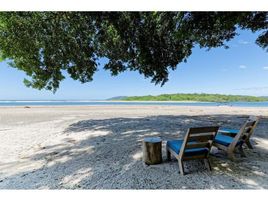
(196, 97)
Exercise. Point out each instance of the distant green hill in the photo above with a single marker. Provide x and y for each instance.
(195, 97)
(117, 98)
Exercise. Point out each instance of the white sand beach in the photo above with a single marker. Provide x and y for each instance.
(99, 147)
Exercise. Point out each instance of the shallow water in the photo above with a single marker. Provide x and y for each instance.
(103, 103)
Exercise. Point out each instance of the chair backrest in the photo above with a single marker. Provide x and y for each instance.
(198, 139)
(254, 119)
(246, 130)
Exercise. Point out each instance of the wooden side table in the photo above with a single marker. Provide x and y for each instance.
(152, 150)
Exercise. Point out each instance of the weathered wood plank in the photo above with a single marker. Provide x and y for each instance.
(197, 145)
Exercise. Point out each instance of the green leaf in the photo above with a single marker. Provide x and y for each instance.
(44, 44)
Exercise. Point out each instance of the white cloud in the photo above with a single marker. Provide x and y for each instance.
(242, 66)
(254, 91)
(265, 68)
(254, 88)
(243, 42)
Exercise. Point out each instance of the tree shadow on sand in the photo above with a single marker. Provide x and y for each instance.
(109, 156)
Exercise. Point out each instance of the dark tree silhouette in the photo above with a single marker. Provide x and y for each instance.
(44, 44)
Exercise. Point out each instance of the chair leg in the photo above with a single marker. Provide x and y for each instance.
(168, 155)
(181, 167)
(207, 164)
(249, 144)
(241, 151)
(231, 155)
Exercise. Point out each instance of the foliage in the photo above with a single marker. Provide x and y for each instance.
(196, 97)
(46, 44)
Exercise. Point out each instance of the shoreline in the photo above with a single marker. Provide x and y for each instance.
(104, 103)
(119, 101)
(132, 106)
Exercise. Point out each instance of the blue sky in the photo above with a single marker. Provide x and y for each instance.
(242, 69)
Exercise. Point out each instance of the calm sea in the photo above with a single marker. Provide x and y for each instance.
(114, 103)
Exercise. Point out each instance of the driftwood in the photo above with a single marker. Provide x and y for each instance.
(152, 150)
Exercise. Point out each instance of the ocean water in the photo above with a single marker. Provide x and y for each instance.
(115, 103)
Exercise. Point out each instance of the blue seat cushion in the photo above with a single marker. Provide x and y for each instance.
(229, 130)
(225, 140)
(175, 145)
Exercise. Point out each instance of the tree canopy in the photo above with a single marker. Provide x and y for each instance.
(45, 44)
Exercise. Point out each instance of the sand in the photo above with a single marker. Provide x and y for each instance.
(99, 147)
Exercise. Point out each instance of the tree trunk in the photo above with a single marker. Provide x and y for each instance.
(152, 150)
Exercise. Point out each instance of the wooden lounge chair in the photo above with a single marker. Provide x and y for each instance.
(233, 132)
(196, 145)
(230, 144)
